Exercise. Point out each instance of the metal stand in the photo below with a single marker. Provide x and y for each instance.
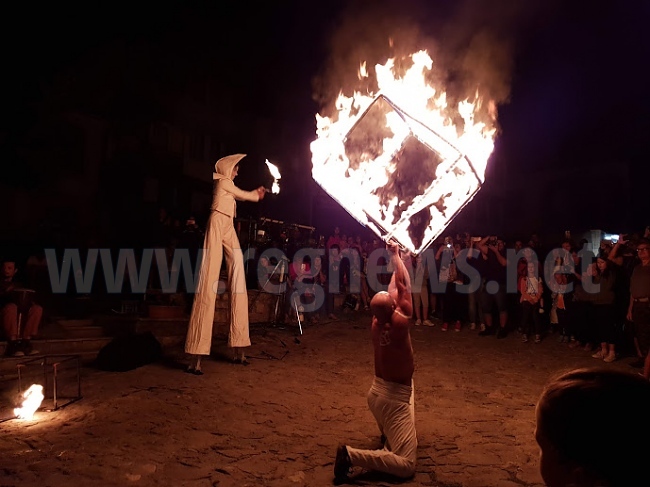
(278, 300)
(19, 325)
(299, 315)
(52, 368)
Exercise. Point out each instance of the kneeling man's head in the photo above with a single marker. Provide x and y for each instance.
(382, 306)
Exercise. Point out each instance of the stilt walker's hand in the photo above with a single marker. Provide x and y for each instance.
(261, 192)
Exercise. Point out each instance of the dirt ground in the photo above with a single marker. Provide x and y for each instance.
(277, 422)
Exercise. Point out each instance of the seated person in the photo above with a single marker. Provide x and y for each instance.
(585, 419)
(17, 301)
(300, 290)
(266, 279)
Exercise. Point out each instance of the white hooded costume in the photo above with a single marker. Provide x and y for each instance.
(221, 236)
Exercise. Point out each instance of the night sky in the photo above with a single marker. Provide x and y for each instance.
(570, 78)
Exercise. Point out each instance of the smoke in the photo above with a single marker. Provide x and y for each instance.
(473, 43)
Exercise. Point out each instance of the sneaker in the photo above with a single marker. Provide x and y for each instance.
(445, 327)
(502, 333)
(599, 354)
(538, 339)
(472, 326)
(342, 464)
(482, 328)
(418, 322)
(485, 331)
(610, 357)
(428, 323)
(457, 326)
(524, 338)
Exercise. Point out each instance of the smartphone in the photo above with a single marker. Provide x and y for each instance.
(476, 239)
(448, 246)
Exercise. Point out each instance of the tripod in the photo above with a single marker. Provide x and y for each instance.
(277, 308)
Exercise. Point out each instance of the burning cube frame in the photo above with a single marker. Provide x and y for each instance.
(60, 377)
(400, 178)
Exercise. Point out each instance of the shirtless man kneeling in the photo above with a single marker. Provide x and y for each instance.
(391, 395)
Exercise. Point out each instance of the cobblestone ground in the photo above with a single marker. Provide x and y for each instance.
(278, 421)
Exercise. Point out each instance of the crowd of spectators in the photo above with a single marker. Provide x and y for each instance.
(588, 295)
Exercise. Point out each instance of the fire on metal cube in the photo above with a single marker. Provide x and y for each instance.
(46, 383)
(397, 162)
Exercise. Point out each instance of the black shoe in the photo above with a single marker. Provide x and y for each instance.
(241, 360)
(502, 333)
(192, 370)
(13, 349)
(27, 348)
(638, 363)
(342, 464)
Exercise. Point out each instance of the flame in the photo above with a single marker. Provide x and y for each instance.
(356, 156)
(275, 172)
(32, 399)
(363, 71)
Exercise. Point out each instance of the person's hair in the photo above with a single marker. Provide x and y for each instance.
(607, 270)
(6, 260)
(643, 240)
(589, 416)
(568, 241)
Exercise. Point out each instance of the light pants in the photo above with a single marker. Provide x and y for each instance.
(393, 407)
(220, 237)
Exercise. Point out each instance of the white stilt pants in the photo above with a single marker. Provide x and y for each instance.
(393, 406)
(220, 237)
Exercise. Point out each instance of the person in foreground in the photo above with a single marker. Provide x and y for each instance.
(587, 422)
(220, 237)
(390, 398)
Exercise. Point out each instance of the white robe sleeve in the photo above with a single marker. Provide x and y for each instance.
(239, 194)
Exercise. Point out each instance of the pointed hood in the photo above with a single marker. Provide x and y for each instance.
(225, 165)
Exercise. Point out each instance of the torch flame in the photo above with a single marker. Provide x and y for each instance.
(362, 152)
(32, 399)
(275, 172)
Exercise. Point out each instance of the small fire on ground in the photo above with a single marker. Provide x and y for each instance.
(32, 399)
